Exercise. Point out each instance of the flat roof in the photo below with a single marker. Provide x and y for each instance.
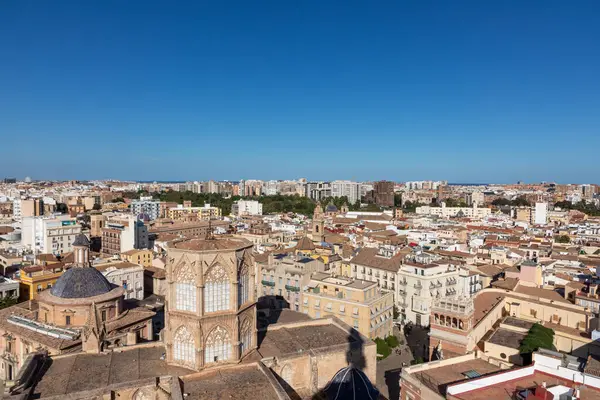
(241, 382)
(438, 379)
(81, 372)
(507, 338)
(517, 322)
(505, 390)
(295, 339)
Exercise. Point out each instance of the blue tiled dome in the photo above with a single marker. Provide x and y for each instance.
(350, 383)
(77, 283)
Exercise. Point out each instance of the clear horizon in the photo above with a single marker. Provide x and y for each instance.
(466, 91)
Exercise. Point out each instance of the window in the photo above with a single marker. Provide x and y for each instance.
(185, 296)
(68, 320)
(216, 290)
(217, 346)
(48, 286)
(355, 311)
(39, 288)
(245, 336)
(243, 289)
(183, 347)
(355, 324)
(103, 315)
(342, 308)
(318, 314)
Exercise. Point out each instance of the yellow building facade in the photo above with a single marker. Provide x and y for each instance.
(37, 278)
(141, 257)
(360, 304)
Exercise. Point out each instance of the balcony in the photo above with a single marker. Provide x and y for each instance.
(403, 282)
(451, 282)
(402, 292)
(292, 288)
(403, 304)
(268, 283)
(418, 285)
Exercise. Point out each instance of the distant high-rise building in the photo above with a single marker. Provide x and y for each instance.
(10, 180)
(146, 205)
(384, 193)
(346, 188)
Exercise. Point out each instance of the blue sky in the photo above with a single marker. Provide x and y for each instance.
(468, 91)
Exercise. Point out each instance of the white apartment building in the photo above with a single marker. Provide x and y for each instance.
(541, 214)
(17, 208)
(419, 284)
(448, 212)
(49, 234)
(346, 188)
(415, 284)
(127, 275)
(475, 198)
(146, 205)
(246, 207)
(271, 188)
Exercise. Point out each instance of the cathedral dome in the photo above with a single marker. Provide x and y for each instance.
(350, 383)
(77, 283)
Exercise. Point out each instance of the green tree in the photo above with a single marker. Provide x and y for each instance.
(397, 199)
(392, 341)
(383, 349)
(8, 301)
(96, 207)
(538, 337)
(563, 239)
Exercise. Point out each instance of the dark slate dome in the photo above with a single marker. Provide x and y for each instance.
(350, 383)
(77, 283)
(81, 240)
(331, 208)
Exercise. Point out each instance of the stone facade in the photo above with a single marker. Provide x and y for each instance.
(211, 302)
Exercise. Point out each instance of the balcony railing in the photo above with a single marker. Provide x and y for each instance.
(292, 288)
(451, 282)
(418, 285)
(403, 282)
(268, 283)
(403, 304)
(402, 292)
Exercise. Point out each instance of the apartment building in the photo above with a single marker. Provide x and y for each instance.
(127, 275)
(285, 275)
(204, 213)
(124, 233)
(475, 198)
(318, 190)
(361, 304)
(346, 188)
(449, 212)
(246, 207)
(9, 288)
(34, 279)
(421, 283)
(146, 205)
(138, 256)
(50, 234)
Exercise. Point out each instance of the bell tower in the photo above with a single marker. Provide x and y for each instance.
(318, 224)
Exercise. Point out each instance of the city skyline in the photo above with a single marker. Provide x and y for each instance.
(479, 93)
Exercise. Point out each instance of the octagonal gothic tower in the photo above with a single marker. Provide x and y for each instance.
(211, 303)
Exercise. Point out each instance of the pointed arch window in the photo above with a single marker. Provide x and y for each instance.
(243, 286)
(217, 290)
(185, 289)
(183, 347)
(217, 346)
(245, 336)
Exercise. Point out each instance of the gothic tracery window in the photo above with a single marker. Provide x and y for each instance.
(217, 290)
(217, 346)
(243, 287)
(183, 347)
(185, 289)
(245, 336)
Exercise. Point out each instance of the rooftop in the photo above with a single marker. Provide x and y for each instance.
(507, 338)
(79, 372)
(247, 381)
(219, 243)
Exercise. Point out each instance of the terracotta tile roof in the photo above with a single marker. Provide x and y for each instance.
(369, 258)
